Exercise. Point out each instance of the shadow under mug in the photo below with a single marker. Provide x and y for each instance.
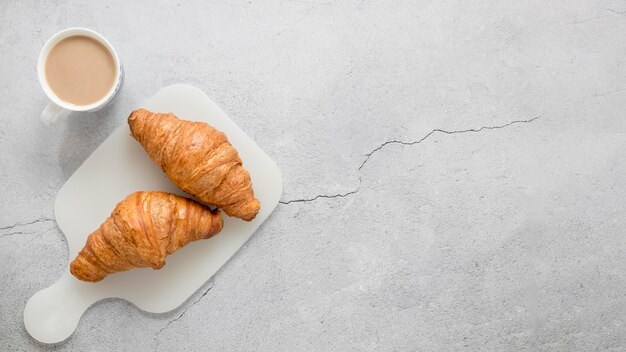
(59, 109)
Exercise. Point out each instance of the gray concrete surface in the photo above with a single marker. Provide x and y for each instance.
(495, 232)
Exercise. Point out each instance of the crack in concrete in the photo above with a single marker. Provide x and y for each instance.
(24, 233)
(321, 196)
(438, 130)
(26, 223)
(395, 141)
(13, 233)
(155, 338)
(622, 13)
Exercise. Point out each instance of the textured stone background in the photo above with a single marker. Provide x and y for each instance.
(497, 231)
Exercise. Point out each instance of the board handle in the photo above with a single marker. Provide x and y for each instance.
(52, 314)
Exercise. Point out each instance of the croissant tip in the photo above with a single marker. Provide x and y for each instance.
(246, 212)
(136, 112)
(80, 274)
(217, 224)
(250, 216)
(255, 209)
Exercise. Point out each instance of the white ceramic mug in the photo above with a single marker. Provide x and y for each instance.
(58, 109)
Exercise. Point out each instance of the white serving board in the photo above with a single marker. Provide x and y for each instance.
(118, 168)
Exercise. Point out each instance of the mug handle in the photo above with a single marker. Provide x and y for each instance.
(53, 113)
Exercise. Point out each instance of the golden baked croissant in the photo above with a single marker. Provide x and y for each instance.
(197, 158)
(143, 229)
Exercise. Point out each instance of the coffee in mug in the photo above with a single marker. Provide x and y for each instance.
(79, 71)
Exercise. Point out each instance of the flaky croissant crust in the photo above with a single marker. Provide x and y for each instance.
(143, 229)
(197, 158)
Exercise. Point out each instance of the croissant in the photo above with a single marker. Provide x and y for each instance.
(142, 230)
(197, 158)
